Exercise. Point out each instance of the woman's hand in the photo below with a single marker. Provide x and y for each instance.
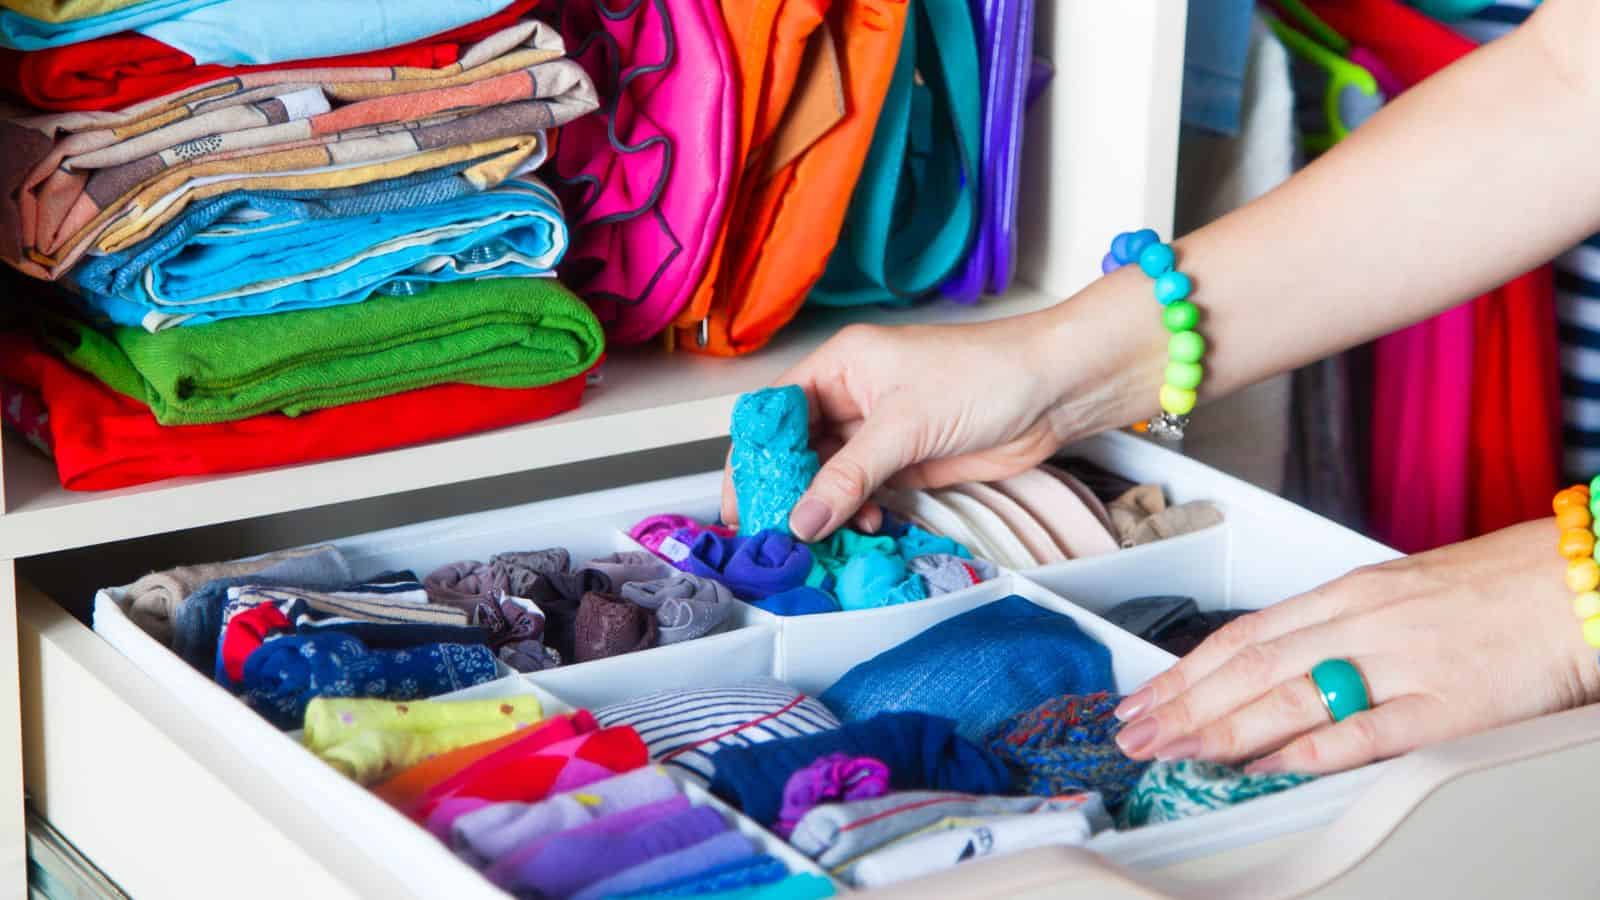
(1451, 642)
(931, 406)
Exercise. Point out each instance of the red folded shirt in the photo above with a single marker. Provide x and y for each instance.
(123, 69)
(104, 440)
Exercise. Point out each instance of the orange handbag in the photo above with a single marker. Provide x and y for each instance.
(813, 76)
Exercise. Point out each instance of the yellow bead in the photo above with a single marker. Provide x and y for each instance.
(1176, 400)
(1583, 575)
(1576, 543)
(1574, 517)
(1591, 631)
(1586, 605)
(1576, 495)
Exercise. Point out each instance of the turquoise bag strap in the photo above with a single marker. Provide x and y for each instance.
(915, 209)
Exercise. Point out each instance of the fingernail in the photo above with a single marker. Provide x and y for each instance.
(1137, 737)
(1182, 748)
(1267, 765)
(1132, 706)
(810, 516)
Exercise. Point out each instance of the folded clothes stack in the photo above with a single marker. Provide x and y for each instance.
(285, 629)
(266, 222)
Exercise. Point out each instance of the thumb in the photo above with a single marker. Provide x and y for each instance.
(869, 459)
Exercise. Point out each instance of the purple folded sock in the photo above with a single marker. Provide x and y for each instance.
(727, 847)
(604, 829)
(485, 835)
(572, 861)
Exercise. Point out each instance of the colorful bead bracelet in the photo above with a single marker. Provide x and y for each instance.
(1577, 510)
(1186, 348)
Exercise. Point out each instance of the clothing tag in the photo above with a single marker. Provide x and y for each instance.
(675, 550)
(815, 107)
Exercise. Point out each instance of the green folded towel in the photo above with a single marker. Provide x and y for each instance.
(508, 333)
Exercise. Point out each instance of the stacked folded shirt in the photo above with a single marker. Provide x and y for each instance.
(270, 221)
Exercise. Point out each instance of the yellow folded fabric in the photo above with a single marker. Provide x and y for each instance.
(369, 740)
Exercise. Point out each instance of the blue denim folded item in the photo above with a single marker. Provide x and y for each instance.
(247, 253)
(286, 673)
(977, 668)
(1216, 50)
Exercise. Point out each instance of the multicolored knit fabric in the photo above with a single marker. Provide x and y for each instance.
(1067, 745)
(1176, 790)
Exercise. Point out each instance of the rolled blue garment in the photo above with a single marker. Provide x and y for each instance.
(283, 675)
(977, 668)
(253, 254)
(197, 622)
(20, 32)
(800, 601)
(922, 752)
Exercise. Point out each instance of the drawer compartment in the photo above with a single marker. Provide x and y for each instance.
(1266, 549)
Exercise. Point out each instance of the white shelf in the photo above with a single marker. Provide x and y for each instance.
(648, 399)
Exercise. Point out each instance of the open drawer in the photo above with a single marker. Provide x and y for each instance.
(176, 789)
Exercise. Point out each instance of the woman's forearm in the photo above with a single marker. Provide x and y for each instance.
(1470, 179)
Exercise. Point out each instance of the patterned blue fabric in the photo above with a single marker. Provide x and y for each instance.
(252, 254)
(286, 673)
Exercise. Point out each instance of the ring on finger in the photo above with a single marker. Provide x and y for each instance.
(1342, 687)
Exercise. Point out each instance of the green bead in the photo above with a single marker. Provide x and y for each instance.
(1594, 486)
(1187, 346)
(1185, 375)
(1180, 316)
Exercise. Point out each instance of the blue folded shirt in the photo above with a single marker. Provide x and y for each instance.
(254, 253)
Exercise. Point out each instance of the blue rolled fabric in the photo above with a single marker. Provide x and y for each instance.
(922, 752)
(800, 601)
(254, 253)
(287, 673)
(915, 542)
(754, 567)
(977, 668)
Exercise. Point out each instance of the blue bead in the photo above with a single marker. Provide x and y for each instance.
(1109, 263)
(1122, 250)
(1141, 239)
(1172, 287)
(1157, 260)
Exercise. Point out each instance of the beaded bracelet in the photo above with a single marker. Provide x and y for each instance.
(1186, 348)
(1577, 510)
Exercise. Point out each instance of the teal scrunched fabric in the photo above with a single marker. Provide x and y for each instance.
(915, 209)
(771, 462)
(1176, 790)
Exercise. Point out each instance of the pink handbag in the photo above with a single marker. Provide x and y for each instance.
(645, 180)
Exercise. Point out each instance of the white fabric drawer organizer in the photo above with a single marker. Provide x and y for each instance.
(1237, 564)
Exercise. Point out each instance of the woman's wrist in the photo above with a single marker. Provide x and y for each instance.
(1102, 354)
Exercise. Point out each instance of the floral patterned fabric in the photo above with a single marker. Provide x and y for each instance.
(286, 673)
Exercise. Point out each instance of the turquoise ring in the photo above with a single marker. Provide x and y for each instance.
(1343, 690)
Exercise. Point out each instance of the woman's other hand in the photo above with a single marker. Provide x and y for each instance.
(1451, 642)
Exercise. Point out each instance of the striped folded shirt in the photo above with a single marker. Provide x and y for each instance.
(684, 729)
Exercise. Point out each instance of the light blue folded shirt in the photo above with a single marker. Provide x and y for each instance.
(259, 32)
(248, 254)
(20, 32)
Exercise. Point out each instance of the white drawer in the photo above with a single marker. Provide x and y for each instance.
(175, 788)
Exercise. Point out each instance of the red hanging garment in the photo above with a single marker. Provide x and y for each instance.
(1512, 448)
